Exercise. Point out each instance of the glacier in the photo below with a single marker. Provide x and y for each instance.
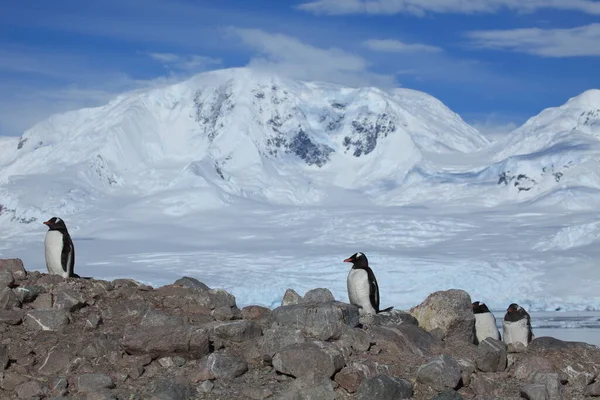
(253, 182)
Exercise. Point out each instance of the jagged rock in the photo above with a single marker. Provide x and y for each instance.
(449, 310)
(306, 359)
(534, 391)
(155, 318)
(275, 339)
(92, 321)
(357, 339)
(388, 318)
(319, 295)
(55, 362)
(8, 299)
(129, 283)
(349, 378)
(551, 382)
(172, 390)
(207, 386)
(440, 372)
(405, 337)
(15, 266)
(13, 317)
(468, 368)
(491, 355)
(93, 382)
(237, 331)
(223, 314)
(256, 312)
(10, 380)
(226, 366)
(448, 395)
(6, 279)
(256, 393)
(47, 320)
(42, 301)
(593, 389)
(290, 297)
(69, 300)
(323, 321)
(28, 294)
(191, 283)
(309, 389)
(162, 341)
(383, 387)
(3, 357)
(29, 390)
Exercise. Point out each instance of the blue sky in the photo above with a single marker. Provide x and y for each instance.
(495, 62)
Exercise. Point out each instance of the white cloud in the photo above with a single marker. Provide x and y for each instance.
(420, 7)
(184, 62)
(396, 46)
(289, 56)
(580, 41)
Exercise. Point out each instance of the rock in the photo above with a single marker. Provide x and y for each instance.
(28, 294)
(319, 295)
(155, 318)
(92, 321)
(237, 331)
(349, 378)
(59, 384)
(10, 380)
(256, 393)
(6, 279)
(275, 339)
(162, 341)
(55, 362)
(69, 300)
(93, 382)
(191, 283)
(172, 390)
(129, 283)
(448, 395)
(388, 318)
(534, 391)
(15, 266)
(256, 312)
(223, 314)
(3, 357)
(304, 359)
(384, 387)
(491, 355)
(290, 298)
(449, 310)
(551, 382)
(309, 389)
(42, 301)
(483, 385)
(226, 366)
(593, 389)
(8, 299)
(12, 317)
(28, 390)
(441, 372)
(47, 320)
(357, 339)
(323, 321)
(207, 386)
(528, 365)
(467, 370)
(405, 337)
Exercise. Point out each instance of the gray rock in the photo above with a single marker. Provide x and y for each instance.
(69, 300)
(59, 383)
(593, 389)
(93, 321)
(449, 310)
(93, 382)
(534, 391)
(154, 318)
(256, 393)
(8, 299)
(491, 355)
(226, 366)
(207, 386)
(162, 341)
(275, 339)
(237, 331)
(28, 294)
(42, 301)
(356, 338)
(349, 378)
(172, 390)
(405, 337)
(468, 368)
(47, 320)
(309, 389)
(6, 278)
(388, 318)
(441, 372)
(12, 317)
(129, 283)
(290, 297)
(29, 390)
(3, 357)
(223, 314)
(55, 362)
(308, 359)
(384, 387)
(323, 321)
(191, 283)
(15, 266)
(551, 382)
(484, 385)
(448, 395)
(319, 295)
(528, 365)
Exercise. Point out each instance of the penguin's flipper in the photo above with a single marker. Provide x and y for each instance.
(385, 309)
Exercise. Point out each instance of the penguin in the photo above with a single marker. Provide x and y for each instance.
(59, 248)
(485, 322)
(517, 325)
(363, 290)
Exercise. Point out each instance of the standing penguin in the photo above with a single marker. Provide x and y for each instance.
(60, 252)
(363, 290)
(517, 325)
(485, 322)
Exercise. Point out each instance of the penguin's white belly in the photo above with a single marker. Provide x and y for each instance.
(485, 326)
(53, 244)
(359, 290)
(516, 332)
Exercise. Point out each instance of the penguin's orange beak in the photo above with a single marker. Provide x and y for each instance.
(47, 223)
(348, 260)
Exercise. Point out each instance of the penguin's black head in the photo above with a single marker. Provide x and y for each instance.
(514, 307)
(479, 307)
(358, 260)
(56, 224)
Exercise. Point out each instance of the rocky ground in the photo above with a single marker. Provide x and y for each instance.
(94, 339)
